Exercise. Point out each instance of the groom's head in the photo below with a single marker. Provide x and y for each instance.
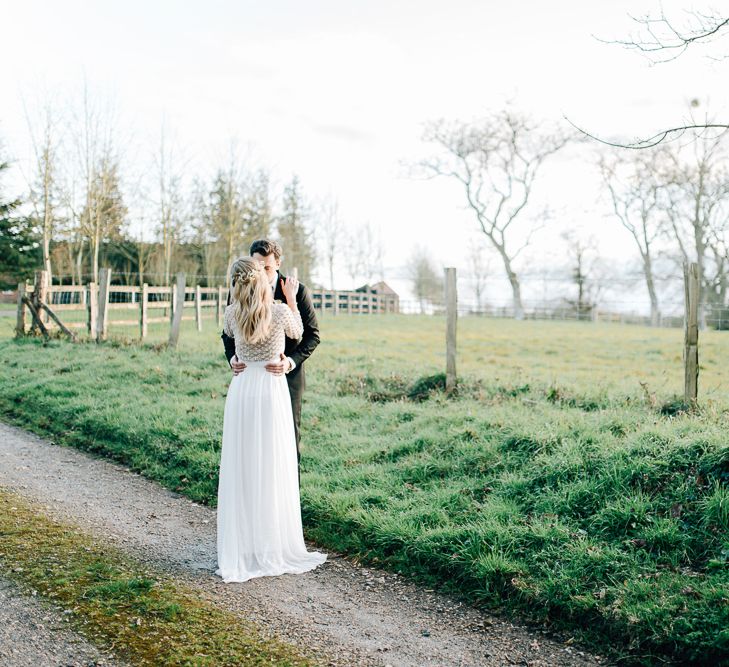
(269, 254)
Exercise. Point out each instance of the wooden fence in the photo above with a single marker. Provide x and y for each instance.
(354, 303)
(96, 303)
(691, 331)
(90, 307)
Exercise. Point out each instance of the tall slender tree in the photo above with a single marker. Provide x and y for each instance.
(637, 185)
(44, 196)
(294, 233)
(426, 281)
(496, 162)
(696, 209)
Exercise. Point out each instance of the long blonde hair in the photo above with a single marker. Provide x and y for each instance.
(251, 292)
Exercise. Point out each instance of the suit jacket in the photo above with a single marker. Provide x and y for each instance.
(298, 349)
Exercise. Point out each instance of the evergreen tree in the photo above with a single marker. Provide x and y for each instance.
(20, 247)
(294, 235)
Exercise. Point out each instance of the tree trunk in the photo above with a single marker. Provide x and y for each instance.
(651, 285)
(79, 263)
(515, 287)
(95, 258)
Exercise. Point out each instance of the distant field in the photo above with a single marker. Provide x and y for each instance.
(601, 359)
(554, 486)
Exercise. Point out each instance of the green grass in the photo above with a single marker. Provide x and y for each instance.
(559, 485)
(122, 604)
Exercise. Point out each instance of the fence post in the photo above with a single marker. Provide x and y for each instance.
(198, 307)
(93, 308)
(20, 325)
(451, 319)
(143, 312)
(40, 293)
(220, 305)
(178, 306)
(102, 321)
(691, 333)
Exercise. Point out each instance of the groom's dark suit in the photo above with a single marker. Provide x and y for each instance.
(299, 350)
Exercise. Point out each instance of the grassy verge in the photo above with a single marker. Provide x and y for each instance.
(566, 492)
(121, 604)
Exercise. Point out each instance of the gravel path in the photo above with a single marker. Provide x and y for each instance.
(34, 633)
(353, 615)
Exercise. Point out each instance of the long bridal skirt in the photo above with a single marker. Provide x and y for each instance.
(259, 510)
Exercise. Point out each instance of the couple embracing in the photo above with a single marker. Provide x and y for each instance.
(269, 330)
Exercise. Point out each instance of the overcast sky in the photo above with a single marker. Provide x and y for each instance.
(338, 92)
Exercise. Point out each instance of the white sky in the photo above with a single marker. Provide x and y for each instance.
(338, 92)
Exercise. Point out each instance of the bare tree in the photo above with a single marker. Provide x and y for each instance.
(169, 201)
(696, 210)
(103, 215)
(480, 269)
(426, 281)
(100, 210)
(636, 189)
(584, 261)
(43, 186)
(354, 254)
(496, 162)
(331, 230)
(663, 38)
(364, 253)
(373, 252)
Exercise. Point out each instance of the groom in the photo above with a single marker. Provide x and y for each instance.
(296, 351)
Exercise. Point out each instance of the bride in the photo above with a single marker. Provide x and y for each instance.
(259, 511)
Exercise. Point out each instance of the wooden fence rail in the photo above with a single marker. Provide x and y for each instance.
(99, 302)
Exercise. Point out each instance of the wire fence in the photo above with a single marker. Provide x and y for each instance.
(621, 297)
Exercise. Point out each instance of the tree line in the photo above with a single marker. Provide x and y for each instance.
(671, 198)
(88, 203)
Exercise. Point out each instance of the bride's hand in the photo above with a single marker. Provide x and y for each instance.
(290, 287)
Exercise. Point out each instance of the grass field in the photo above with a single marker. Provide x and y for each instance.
(561, 484)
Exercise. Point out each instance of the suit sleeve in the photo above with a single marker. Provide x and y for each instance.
(228, 341)
(229, 345)
(310, 338)
(227, 335)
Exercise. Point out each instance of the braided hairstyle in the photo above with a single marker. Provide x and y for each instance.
(252, 298)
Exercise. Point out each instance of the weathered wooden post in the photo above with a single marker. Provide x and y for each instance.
(691, 333)
(198, 307)
(173, 301)
(143, 311)
(220, 305)
(20, 324)
(40, 292)
(451, 319)
(179, 307)
(93, 308)
(102, 321)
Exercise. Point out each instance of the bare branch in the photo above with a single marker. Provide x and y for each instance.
(662, 35)
(674, 133)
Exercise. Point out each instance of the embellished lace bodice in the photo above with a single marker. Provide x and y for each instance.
(284, 322)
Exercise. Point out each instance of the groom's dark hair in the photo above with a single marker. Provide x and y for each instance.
(265, 247)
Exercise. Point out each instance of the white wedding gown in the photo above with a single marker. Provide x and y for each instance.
(259, 511)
